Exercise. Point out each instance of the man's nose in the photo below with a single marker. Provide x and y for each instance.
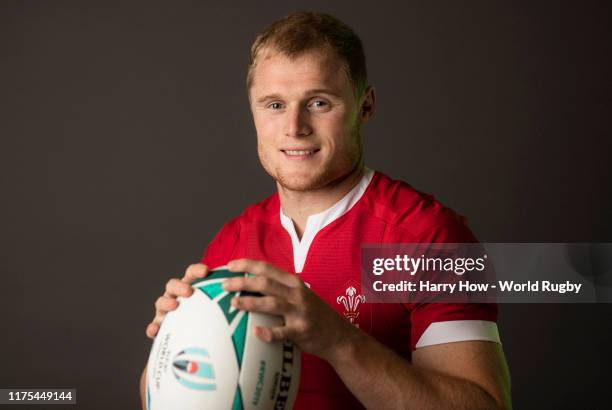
(297, 122)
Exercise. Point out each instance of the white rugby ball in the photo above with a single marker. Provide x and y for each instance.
(205, 356)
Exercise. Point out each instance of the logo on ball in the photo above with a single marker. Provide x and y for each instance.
(193, 369)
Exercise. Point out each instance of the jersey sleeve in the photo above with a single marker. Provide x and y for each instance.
(437, 323)
(221, 249)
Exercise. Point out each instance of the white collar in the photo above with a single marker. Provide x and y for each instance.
(316, 222)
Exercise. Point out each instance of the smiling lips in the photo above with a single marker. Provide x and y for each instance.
(299, 153)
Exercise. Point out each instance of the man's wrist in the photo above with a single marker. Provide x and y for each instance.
(344, 349)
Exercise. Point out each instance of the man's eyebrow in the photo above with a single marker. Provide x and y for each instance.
(308, 93)
(323, 91)
(268, 98)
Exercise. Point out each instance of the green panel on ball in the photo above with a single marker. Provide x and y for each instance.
(238, 400)
(239, 338)
(212, 289)
(226, 307)
(220, 274)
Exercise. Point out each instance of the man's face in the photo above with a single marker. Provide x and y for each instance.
(306, 117)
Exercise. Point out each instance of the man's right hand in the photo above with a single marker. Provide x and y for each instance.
(175, 288)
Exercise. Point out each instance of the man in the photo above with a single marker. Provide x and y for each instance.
(309, 96)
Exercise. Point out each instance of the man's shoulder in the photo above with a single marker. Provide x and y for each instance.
(414, 213)
(223, 246)
(266, 211)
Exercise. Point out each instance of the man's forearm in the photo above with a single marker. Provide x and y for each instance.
(381, 379)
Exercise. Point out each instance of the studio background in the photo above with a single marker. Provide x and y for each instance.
(126, 142)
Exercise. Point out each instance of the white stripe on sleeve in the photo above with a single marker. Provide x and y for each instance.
(459, 331)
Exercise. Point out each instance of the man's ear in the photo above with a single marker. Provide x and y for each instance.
(368, 104)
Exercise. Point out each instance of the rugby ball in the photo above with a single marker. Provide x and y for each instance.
(205, 356)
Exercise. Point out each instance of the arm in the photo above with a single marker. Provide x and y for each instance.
(470, 375)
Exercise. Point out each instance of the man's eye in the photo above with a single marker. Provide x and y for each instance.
(319, 103)
(275, 105)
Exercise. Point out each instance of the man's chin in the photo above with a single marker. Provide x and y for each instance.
(300, 183)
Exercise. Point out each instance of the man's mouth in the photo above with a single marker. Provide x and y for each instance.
(299, 152)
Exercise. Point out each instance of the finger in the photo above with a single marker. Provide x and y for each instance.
(152, 330)
(159, 318)
(272, 334)
(249, 265)
(260, 268)
(263, 304)
(176, 287)
(261, 284)
(195, 271)
(165, 304)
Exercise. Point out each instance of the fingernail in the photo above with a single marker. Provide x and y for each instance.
(230, 264)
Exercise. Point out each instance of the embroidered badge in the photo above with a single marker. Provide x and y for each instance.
(351, 301)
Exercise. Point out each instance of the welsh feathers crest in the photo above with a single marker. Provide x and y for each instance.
(351, 302)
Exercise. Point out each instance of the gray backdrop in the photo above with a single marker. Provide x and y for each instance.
(126, 142)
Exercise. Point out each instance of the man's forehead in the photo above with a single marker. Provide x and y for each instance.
(312, 69)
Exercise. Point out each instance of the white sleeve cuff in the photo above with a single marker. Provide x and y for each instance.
(459, 331)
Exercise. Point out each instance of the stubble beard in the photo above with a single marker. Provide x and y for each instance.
(301, 183)
(314, 181)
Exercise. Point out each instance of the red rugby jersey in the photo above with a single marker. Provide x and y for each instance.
(327, 258)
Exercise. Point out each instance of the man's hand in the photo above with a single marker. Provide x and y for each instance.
(471, 375)
(308, 321)
(174, 288)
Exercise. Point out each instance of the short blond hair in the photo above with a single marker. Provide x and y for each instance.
(305, 31)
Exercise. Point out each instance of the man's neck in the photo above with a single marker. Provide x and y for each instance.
(300, 205)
